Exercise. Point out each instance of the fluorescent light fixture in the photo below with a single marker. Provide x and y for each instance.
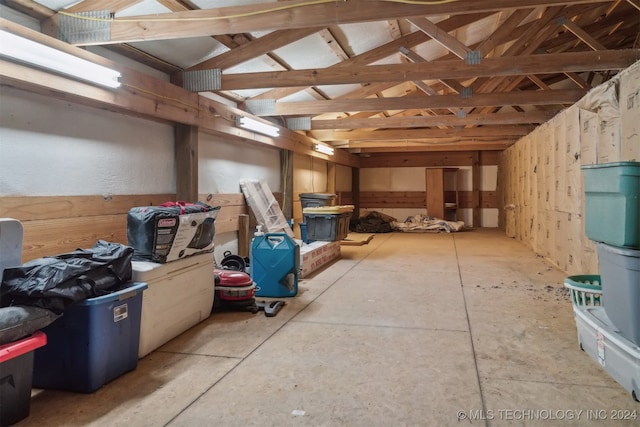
(256, 126)
(324, 149)
(33, 53)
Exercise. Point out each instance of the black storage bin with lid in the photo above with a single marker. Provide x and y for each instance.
(313, 200)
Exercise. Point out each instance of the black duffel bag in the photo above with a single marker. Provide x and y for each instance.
(58, 281)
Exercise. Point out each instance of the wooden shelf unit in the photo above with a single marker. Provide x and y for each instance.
(442, 193)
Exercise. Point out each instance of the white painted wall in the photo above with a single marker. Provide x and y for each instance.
(223, 164)
(55, 148)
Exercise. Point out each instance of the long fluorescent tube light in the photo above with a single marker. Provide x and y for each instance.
(256, 126)
(324, 149)
(33, 53)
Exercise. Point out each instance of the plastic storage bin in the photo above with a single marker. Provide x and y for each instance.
(303, 233)
(327, 227)
(604, 343)
(620, 272)
(94, 342)
(612, 203)
(16, 368)
(180, 295)
(309, 200)
(585, 290)
(275, 265)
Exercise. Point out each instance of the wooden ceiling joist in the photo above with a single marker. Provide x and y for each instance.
(503, 66)
(427, 121)
(395, 134)
(296, 14)
(547, 97)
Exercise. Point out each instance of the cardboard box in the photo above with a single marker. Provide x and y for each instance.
(316, 255)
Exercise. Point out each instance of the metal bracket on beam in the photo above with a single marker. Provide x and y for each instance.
(202, 80)
(261, 107)
(85, 27)
(462, 114)
(474, 57)
(299, 123)
(467, 92)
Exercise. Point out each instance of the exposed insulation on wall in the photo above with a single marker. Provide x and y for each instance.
(541, 178)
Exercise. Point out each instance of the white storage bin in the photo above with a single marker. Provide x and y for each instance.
(10, 243)
(604, 343)
(180, 295)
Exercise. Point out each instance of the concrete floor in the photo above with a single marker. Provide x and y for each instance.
(409, 330)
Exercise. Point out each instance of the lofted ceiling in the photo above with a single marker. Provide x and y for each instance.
(369, 75)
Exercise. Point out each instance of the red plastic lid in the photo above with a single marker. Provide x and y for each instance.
(233, 278)
(18, 348)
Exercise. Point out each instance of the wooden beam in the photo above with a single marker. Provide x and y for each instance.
(382, 51)
(412, 56)
(583, 35)
(503, 66)
(634, 3)
(536, 117)
(476, 184)
(427, 159)
(295, 14)
(547, 97)
(244, 239)
(355, 191)
(400, 134)
(449, 42)
(427, 145)
(504, 32)
(254, 48)
(186, 152)
(538, 81)
(110, 5)
(31, 8)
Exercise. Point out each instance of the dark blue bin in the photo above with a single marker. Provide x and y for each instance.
(94, 342)
(303, 233)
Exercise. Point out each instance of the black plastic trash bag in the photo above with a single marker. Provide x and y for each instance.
(58, 281)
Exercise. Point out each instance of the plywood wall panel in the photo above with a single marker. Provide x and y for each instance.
(609, 140)
(589, 124)
(55, 236)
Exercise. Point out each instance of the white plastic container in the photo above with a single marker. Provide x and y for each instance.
(180, 295)
(11, 234)
(604, 343)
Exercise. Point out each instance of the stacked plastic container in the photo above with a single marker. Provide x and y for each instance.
(16, 357)
(322, 220)
(609, 331)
